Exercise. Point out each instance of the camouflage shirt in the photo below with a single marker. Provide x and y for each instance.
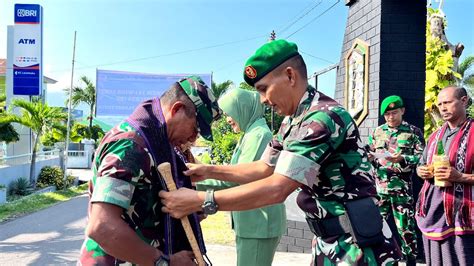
(319, 146)
(406, 139)
(124, 175)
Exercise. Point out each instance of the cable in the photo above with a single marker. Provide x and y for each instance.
(322, 59)
(299, 18)
(311, 21)
(213, 46)
(163, 55)
(228, 65)
(280, 31)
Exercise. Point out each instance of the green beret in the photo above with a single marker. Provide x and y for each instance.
(390, 103)
(266, 58)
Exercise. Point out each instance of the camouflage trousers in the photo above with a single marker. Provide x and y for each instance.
(401, 207)
(340, 250)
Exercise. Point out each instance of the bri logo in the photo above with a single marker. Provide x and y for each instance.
(26, 41)
(26, 13)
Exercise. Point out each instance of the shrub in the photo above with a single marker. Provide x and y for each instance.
(54, 176)
(70, 181)
(224, 142)
(20, 187)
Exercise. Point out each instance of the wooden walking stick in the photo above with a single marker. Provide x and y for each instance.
(165, 171)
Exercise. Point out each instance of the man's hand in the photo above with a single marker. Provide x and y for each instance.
(448, 174)
(181, 202)
(425, 171)
(395, 158)
(183, 257)
(197, 172)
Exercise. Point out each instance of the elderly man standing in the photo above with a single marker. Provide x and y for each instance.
(317, 149)
(445, 214)
(403, 145)
(125, 219)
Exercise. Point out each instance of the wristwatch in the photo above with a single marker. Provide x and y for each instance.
(209, 206)
(162, 260)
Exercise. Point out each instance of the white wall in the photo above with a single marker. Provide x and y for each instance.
(11, 173)
(79, 159)
(293, 212)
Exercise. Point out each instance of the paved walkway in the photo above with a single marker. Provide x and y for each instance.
(50, 236)
(83, 174)
(54, 236)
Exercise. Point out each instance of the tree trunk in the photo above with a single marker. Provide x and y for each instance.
(90, 117)
(33, 161)
(435, 116)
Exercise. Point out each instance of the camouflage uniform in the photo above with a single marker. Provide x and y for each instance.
(124, 175)
(319, 146)
(394, 184)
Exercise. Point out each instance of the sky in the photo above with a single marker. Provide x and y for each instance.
(188, 36)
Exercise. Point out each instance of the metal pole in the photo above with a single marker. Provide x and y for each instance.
(316, 82)
(66, 149)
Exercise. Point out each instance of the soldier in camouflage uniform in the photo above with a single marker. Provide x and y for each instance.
(126, 223)
(317, 149)
(405, 144)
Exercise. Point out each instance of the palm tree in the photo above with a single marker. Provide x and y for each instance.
(466, 72)
(7, 131)
(84, 95)
(467, 78)
(39, 117)
(218, 89)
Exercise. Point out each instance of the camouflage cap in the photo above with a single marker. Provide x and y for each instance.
(207, 109)
(391, 103)
(267, 58)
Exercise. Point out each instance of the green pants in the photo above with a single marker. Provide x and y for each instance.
(256, 251)
(403, 212)
(340, 250)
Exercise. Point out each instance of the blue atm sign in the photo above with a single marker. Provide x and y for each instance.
(27, 14)
(27, 50)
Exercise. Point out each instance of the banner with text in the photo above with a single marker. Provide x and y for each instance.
(119, 92)
(28, 50)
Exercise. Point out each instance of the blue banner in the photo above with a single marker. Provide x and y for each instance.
(118, 92)
(28, 50)
(27, 14)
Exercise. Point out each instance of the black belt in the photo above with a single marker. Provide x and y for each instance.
(330, 226)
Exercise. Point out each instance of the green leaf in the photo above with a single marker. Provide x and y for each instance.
(431, 78)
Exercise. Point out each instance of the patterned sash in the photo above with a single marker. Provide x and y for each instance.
(461, 158)
(149, 121)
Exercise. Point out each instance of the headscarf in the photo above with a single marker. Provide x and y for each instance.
(243, 106)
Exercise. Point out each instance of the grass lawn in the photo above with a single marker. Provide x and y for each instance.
(217, 230)
(36, 202)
